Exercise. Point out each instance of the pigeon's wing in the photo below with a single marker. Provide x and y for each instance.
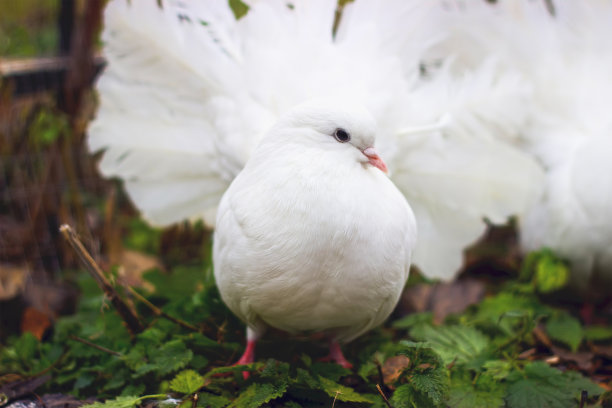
(164, 119)
(561, 50)
(457, 177)
(189, 90)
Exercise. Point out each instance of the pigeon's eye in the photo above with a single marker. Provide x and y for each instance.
(342, 135)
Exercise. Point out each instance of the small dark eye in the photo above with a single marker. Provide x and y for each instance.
(342, 135)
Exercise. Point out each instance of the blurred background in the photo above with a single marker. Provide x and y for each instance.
(49, 57)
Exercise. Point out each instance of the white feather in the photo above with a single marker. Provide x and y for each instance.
(308, 238)
(189, 92)
(565, 56)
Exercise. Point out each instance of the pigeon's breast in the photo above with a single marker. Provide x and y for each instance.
(313, 248)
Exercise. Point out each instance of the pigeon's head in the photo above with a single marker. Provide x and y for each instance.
(340, 126)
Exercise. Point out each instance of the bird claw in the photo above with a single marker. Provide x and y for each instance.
(247, 357)
(336, 356)
(342, 362)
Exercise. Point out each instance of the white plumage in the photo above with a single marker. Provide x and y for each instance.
(189, 91)
(310, 236)
(564, 54)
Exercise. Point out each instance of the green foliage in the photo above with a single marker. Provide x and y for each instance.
(546, 270)
(257, 394)
(28, 28)
(406, 396)
(483, 391)
(472, 360)
(565, 329)
(187, 382)
(598, 333)
(122, 402)
(540, 385)
(239, 8)
(425, 382)
(459, 344)
(47, 127)
(142, 237)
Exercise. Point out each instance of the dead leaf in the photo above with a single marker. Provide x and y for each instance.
(133, 265)
(526, 354)
(12, 280)
(583, 359)
(553, 360)
(603, 351)
(34, 321)
(442, 298)
(393, 368)
(541, 336)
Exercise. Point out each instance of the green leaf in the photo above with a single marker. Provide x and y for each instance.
(507, 311)
(142, 237)
(178, 285)
(119, 402)
(535, 394)
(578, 383)
(186, 382)
(26, 348)
(83, 381)
(170, 357)
(47, 127)
(431, 382)
(497, 369)
(453, 343)
(546, 387)
(239, 8)
(482, 392)
(122, 402)
(209, 400)
(565, 329)
(413, 320)
(597, 333)
(331, 371)
(406, 396)
(258, 394)
(198, 362)
(340, 392)
(234, 369)
(551, 273)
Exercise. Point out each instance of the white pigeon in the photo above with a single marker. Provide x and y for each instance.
(189, 91)
(312, 235)
(562, 49)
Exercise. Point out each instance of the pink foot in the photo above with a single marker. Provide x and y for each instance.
(247, 357)
(335, 354)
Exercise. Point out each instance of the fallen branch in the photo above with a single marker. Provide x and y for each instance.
(158, 312)
(387, 403)
(132, 322)
(97, 347)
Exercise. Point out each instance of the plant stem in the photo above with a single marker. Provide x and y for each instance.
(127, 314)
(90, 344)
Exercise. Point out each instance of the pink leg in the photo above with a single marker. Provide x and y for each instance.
(335, 354)
(249, 352)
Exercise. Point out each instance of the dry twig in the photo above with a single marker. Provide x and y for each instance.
(384, 396)
(127, 314)
(90, 344)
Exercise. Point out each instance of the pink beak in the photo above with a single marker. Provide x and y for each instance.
(375, 159)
